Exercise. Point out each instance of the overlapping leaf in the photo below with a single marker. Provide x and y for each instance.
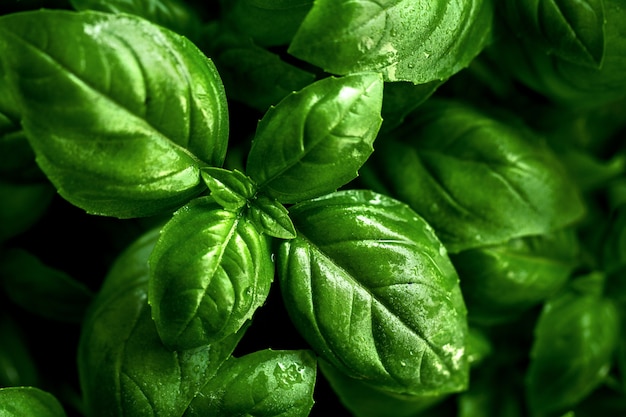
(121, 113)
(405, 40)
(315, 140)
(210, 270)
(371, 288)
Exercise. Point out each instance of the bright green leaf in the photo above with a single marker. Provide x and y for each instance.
(315, 140)
(261, 384)
(121, 113)
(404, 40)
(124, 368)
(372, 290)
(209, 272)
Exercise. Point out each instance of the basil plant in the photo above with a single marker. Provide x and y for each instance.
(291, 208)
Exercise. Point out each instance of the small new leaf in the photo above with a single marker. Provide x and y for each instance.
(231, 189)
(271, 217)
(209, 272)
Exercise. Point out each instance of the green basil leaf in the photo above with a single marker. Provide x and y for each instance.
(123, 366)
(561, 80)
(402, 39)
(401, 98)
(365, 401)
(175, 15)
(268, 22)
(500, 282)
(575, 339)
(315, 140)
(17, 365)
(121, 113)
(22, 206)
(209, 272)
(43, 290)
(570, 29)
(231, 189)
(458, 168)
(29, 401)
(253, 75)
(372, 290)
(271, 217)
(264, 384)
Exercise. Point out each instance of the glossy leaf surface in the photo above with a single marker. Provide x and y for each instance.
(29, 401)
(315, 140)
(372, 290)
(123, 366)
(265, 384)
(458, 168)
(121, 113)
(402, 39)
(231, 189)
(209, 272)
(575, 339)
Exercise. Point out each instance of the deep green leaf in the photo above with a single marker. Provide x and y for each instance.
(613, 251)
(371, 288)
(575, 339)
(315, 140)
(271, 217)
(17, 365)
(502, 281)
(209, 272)
(267, 22)
(561, 80)
(570, 29)
(175, 15)
(253, 75)
(29, 401)
(402, 39)
(22, 206)
(124, 368)
(458, 168)
(261, 384)
(365, 401)
(40, 289)
(121, 113)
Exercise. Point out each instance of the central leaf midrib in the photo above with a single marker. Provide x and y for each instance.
(306, 150)
(371, 294)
